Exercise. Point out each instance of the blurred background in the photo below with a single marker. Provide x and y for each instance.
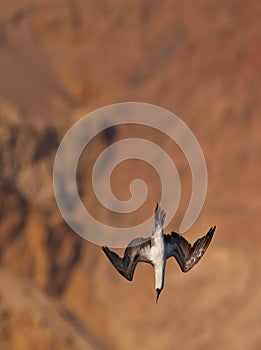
(61, 59)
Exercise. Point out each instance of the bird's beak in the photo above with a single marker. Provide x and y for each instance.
(158, 291)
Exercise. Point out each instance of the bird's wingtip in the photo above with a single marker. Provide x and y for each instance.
(211, 232)
(212, 229)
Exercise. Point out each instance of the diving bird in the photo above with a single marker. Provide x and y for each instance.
(156, 249)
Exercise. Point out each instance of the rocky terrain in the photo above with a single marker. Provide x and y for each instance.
(60, 60)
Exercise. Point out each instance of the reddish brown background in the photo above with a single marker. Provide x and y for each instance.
(58, 61)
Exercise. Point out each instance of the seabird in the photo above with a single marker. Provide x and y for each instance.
(156, 249)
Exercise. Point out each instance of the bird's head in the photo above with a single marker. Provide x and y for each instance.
(158, 291)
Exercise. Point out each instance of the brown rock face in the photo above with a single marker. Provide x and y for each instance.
(60, 60)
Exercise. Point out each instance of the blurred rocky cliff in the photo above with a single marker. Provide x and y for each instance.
(58, 61)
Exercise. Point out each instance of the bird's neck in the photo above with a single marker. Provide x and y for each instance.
(159, 275)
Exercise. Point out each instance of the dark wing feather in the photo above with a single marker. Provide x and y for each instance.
(186, 255)
(137, 251)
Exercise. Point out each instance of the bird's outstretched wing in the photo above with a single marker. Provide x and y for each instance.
(186, 255)
(137, 251)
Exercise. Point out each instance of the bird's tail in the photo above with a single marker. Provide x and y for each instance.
(159, 216)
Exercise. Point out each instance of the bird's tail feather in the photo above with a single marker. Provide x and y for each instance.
(159, 216)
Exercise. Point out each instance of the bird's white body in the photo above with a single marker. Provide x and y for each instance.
(157, 256)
